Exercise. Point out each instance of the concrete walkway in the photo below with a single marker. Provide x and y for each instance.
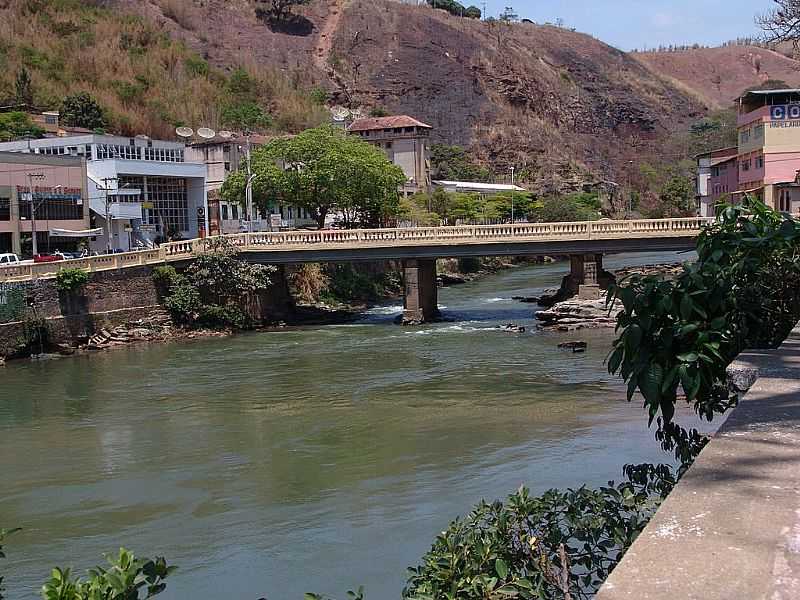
(731, 528)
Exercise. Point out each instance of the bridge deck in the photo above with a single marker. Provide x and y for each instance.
(422, 242)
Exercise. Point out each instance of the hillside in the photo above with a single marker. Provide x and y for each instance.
(561, 107)
(717, 76)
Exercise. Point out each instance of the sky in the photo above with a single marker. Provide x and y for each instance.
(629, 24)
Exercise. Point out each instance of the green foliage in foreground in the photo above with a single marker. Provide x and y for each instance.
(126, 578)
(542, 547)
(212, 290)
(70, 280)
(678, 337)
(15, 124)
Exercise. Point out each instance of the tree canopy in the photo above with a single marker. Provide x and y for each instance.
(81, 110)
(323, 171)
(14, 125)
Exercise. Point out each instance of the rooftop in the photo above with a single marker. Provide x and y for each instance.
(479, 187)
(378, 123)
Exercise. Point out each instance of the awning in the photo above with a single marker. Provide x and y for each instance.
(76, 234)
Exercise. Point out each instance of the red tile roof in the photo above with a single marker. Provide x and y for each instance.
(377, 123)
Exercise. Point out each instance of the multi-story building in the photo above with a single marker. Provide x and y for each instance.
(769, 147)
(145, 187)
(46, 195)
(406, 143)
(717, 178)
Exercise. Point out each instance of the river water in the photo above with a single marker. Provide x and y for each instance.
(312, 459)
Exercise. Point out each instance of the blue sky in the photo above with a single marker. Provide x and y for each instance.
(629, 24)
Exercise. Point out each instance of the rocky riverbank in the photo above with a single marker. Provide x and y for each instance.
(574, 314)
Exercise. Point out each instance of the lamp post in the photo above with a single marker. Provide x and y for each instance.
(512, 196)
(249, 187)
(31, 177)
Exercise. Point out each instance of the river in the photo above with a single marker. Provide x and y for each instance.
(310, 459)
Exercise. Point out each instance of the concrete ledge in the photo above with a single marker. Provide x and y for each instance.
(731, 528)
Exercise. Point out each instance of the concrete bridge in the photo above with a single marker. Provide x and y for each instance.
(418, 248)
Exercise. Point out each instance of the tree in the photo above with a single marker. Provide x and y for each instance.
(451, 163)
(323, 170)
(278, 11)
(782, 23)
(23, 88)
(14, 125)
(245, 116)
(81, 110)
(521, 204)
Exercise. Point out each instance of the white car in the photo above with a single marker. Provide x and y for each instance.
(6, 260)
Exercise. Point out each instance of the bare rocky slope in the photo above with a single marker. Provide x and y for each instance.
(718, 75)
(560, 106)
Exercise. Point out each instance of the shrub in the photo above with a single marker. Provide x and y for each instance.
(127, 578)
(164, 277)
(81, 110)
(70, 280)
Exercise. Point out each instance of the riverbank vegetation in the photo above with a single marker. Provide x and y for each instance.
(215, 289)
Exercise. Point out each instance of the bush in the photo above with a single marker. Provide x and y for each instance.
(81, 110)
(127, 578)
(71, 280)
(543, 547)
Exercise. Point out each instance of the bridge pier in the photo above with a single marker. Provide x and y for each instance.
(421, 299)
(586, 278)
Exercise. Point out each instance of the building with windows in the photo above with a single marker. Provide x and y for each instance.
(139, 190)
(769, 147)
(717, 178)
(406, 143)
(57, 210)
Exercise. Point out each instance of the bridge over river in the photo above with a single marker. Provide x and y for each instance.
(418, 248)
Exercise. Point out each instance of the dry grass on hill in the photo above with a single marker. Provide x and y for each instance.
(145, 80)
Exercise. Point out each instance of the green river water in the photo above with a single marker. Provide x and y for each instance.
(310, 459)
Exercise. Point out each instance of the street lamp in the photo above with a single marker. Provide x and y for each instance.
(31, 177)
(512, 195)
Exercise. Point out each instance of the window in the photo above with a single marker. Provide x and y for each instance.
(224, 212)
(785, 201)
(746, 165)
(52, 206)
(170, 212)
(758, 131)
(235, 211)
(759, 162)
(744, 136)
(388, 145)
(715, 171)
(5, 209)
(51, 119)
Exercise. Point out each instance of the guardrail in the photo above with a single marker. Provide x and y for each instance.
(372, 238)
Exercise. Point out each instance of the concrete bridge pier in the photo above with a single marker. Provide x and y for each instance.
(586, 278)
(421, 301)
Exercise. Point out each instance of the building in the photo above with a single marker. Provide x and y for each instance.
(57, 211)
(717, 178)
(470, 187)
(406, 143)
(145, 187)
(769, 147)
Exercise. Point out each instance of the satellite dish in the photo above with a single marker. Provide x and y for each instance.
(206, 133)
(340, 113)
(226, 135)
(142, 136)
(357, 113)
(184, 132)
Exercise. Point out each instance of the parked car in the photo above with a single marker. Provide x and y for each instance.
(6, 260)
(46, 258)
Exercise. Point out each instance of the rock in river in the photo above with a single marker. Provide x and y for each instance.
(575, 314)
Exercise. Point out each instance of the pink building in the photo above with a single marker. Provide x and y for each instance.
(769, 147)
(60, 202)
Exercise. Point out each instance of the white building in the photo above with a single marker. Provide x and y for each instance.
(145, 186)
(406, 143)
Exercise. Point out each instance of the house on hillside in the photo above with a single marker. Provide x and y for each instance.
(406, 142)
(768, 153)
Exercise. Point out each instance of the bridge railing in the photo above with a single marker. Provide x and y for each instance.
(293, 240)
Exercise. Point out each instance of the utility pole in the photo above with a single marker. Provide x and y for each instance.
(31, 177)
(106, 189)
(249, 188)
